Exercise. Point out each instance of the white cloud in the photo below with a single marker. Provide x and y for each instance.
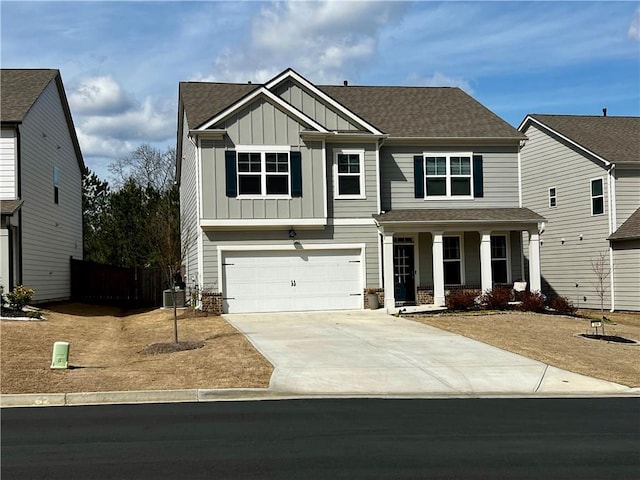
(634, 28)
(440, 80)
(99, 95)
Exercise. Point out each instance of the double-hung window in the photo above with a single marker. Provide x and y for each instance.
(448, 175)
(263, 173)
(499, 263)
(349, 174)
(597, 197)
(452, 255)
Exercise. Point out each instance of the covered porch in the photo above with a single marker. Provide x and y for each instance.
(429, 253)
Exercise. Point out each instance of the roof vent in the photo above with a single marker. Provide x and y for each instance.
(604, 112)
(346, 83)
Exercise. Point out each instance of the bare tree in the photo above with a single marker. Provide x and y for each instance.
(147, 166)
(601, 270)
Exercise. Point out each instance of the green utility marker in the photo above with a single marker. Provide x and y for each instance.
(60, 358)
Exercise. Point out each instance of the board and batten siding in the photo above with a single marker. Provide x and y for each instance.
(548, 162)
(189, 223)
(51, 233)
(331, 235)
(627, 193)
(311, 106)
(353, 207)
(261, 124)
(8, 164)
(500, 178)
(627, 274)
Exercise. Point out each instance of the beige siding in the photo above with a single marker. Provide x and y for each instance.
(51, 233)
(189, 225)
(311, 106)
(500, 174)
(627, 194)
(262, 124)
(627, 275)
(356, 234)
(353, 208)
(546, 162)
(8, 165)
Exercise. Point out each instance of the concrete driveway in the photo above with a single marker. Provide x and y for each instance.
(370, 352)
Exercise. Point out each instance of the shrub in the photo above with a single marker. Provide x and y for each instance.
(532, 302)
(496, 299)
(461, 301)
(563, 305)
(19, 297)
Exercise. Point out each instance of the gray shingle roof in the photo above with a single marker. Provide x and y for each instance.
(460, 215)
(203, 101)
(19, 89)
(398, 111)
(422, 111)
(630, 229)
(616, 139)
(9, 207)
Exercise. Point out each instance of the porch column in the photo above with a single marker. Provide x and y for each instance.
(534, 261)
(485, 261)
(389, 289)
(438, 270)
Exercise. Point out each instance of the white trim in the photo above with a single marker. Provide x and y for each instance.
(351, 221)
(519, 176)
(613, 221)
(263, 150)
(555, 197)
(199, 233)
(378, 189)
(448, 176)
(591, 197)
(361, 175)
(612, 279)
(274, 98)
(263, 222)
(380, 246)
(325, 187)
(289, 73)
(522, 127)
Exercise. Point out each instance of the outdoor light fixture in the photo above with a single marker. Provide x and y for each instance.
(292, 233)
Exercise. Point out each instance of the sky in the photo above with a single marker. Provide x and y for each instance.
(121, 62)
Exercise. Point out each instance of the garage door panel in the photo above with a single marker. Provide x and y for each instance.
(292, 281)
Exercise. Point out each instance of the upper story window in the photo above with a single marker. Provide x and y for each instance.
(263, 173)
(448, 175)
(597, 197)
(348, 168)
(56, 182)
(553, 197)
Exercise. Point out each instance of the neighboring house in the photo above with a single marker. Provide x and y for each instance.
(582, 173)
(41, 171)
(300, 197)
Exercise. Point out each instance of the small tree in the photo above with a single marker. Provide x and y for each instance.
(601, 270)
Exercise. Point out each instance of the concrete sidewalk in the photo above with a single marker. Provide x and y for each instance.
(370, 352)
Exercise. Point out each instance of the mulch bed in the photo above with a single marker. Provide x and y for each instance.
(161, 348)
(607, 338)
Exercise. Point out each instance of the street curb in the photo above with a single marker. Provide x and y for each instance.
(256, 394)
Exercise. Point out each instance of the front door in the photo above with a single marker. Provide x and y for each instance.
(404, 273)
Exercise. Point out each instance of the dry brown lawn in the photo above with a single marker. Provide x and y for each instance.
(105, 352)
(554, 340)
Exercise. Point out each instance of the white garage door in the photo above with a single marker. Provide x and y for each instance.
(281, 281)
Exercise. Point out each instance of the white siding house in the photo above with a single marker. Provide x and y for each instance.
(41, 170)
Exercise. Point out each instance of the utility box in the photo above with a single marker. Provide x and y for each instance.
(60, 358)
(167, 300)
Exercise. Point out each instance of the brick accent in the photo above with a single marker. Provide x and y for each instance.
(212, 302)
(425, 296)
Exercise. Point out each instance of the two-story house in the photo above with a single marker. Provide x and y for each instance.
(41, 169)
(582, 173)
(300, 197)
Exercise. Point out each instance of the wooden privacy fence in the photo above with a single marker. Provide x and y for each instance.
(105, 284)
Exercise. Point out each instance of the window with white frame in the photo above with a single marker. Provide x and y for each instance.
(597, 196)
(448, 175)
(263, 173)
(553, 197)
(499, 262)
(452, 255)
(349, 173)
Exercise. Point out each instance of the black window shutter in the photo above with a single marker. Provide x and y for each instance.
(231, 175)
(296, 174)
(418, 176)
(478, 189)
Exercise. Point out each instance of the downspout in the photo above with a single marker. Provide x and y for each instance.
(19, 280)
(612, 227)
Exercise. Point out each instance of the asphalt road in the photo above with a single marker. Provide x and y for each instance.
(331, 438)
